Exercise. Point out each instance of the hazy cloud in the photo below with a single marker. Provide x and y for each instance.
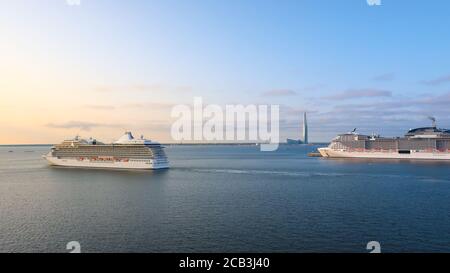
(279, 93)
(147, 88)
(100, 107)
(438, 81)
(105, 88)
(146, 105)
(391, 117)
(384, 77)
(144, 88)
(82, 125)
(149, 105)
(312, 88)
(297, 112)
(160, 88)
(408, 112)
(440, 100)
(359, 93)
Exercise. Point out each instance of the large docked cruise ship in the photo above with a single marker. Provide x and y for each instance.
(420, 143)
(125, 153)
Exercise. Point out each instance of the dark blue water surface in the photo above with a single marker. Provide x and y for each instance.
(225, 199)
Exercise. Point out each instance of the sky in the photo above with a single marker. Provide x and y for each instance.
(104, 66)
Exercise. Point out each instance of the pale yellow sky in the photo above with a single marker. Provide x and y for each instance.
(37, 106)
(42, 104)
(103, 67)
(44, 99)
(53, 86)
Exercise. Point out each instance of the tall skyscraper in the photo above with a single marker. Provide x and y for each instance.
(305, 129)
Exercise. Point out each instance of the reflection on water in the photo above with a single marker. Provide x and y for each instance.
(105, 171)
(225, 198)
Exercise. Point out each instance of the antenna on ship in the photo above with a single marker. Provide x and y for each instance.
(433, 119)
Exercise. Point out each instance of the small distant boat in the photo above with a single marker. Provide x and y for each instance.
(294, 141)
(314, 154)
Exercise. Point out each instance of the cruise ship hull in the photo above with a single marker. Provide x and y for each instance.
(86, 163)
(327, 152)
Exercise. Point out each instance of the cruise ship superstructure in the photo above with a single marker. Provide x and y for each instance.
(125, 153)
(420, 143)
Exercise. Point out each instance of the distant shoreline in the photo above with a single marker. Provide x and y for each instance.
(24, 145)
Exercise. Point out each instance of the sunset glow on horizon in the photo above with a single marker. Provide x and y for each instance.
(105, 67)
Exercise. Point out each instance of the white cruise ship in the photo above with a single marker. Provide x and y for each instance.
(420, 143)
(125, 153)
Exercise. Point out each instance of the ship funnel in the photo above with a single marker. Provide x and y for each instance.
(433, 120)
(126, 138)
(129, 135)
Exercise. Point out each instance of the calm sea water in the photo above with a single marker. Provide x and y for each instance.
(225, 199)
